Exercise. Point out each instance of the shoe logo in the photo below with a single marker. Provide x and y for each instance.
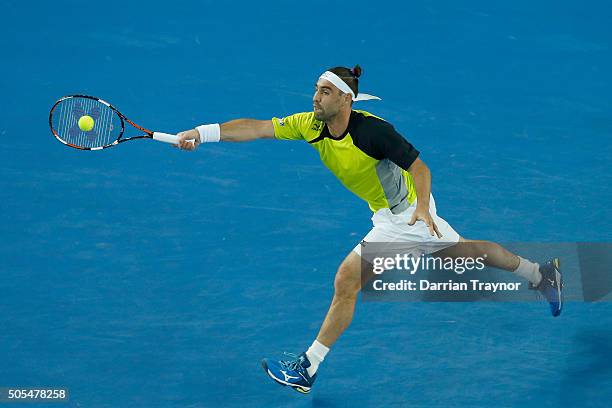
(288, 377)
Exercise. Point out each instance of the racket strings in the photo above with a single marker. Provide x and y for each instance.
(107, 124)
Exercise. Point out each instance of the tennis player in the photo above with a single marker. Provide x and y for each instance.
(371, 159)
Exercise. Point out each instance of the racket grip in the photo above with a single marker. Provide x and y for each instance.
(165, 137)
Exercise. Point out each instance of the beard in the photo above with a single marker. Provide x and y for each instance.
(322, 115)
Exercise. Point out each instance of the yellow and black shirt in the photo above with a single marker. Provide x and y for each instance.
(370, 158)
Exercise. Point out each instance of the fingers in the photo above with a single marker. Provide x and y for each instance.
(428, 220)
(430, 227)
(188, 140)
(433, 228)
(438, 233)
(186, 145)
(182, 140)
(413, 219)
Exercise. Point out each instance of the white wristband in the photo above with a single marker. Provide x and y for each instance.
(209, 133)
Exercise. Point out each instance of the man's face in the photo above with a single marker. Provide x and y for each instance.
(327, 100)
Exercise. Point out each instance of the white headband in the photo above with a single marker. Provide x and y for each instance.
(341, 85)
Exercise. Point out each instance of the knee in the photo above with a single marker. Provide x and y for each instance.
(347, 282)
(474, 248)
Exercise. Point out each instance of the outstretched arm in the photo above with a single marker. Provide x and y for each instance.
(238, 130)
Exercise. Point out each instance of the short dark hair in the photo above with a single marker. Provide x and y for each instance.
(350, 76)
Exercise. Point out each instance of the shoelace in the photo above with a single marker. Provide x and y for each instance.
(539, 294)
(291, 364)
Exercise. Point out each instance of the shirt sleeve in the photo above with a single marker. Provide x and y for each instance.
(397, 149)
(380, 140)
(292, 127)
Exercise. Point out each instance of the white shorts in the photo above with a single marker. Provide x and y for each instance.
(394, 228)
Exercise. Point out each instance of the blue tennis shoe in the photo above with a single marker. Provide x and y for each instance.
(551, 285)
(290, 373)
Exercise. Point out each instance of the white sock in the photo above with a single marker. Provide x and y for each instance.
(316, 354)
(529, 270)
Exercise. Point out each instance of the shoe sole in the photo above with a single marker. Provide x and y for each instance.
(559, 278)
(298, 388)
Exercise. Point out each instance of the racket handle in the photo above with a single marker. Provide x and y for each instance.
(165, 137)
(168, 138)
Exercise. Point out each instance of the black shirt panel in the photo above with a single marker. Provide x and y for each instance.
(379, 139)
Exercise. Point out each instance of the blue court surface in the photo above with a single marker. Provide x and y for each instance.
(145, 276)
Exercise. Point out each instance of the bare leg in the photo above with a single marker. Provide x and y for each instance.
(349, 280)
(347, 284)
(496, 255)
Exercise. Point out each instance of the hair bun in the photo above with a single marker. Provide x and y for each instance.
(356, 71)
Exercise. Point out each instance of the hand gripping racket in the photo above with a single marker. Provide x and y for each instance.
(104, 124)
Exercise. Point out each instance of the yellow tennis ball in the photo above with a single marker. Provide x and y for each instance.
(86, 123)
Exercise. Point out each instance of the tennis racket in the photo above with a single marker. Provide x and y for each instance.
(108, 124)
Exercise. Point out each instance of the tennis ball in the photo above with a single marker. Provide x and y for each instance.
(86, 123)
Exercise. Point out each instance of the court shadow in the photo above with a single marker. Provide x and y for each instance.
(321, 401)
(588, 379)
